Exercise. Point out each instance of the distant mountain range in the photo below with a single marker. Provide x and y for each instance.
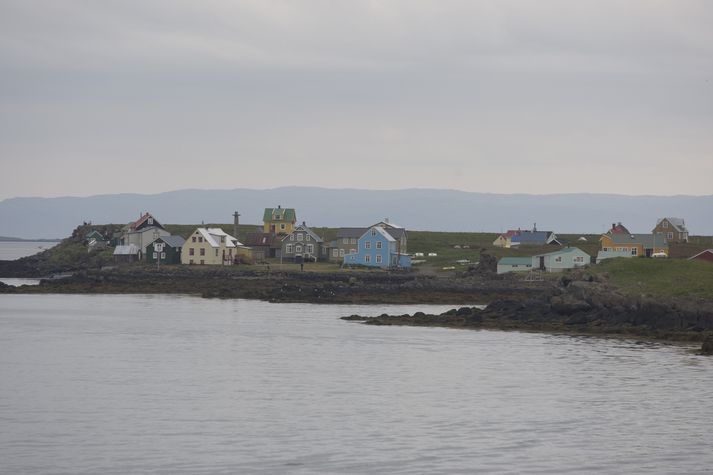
(417, 209)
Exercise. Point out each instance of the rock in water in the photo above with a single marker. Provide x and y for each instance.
(707, 347)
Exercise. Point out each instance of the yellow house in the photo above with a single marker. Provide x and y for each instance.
(212, 246)
(634, 244)
(279, 220)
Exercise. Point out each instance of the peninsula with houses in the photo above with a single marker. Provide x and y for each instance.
(655, 283)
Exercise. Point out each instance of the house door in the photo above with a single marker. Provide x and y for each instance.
(648, 252)
(272, 229)
(542, 262)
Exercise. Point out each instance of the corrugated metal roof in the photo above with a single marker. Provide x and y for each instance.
(646, 240)
(128, 250)
(285, 214)
(173, 241)
(515, 261)
(350, 232)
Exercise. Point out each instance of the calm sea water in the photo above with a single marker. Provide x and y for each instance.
(9, 251)
(183, 385)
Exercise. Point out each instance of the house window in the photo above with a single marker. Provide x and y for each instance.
(202, 262)
(300, 237)
(373, 232)
(288, 249)
(378, 259)
(665, 224)
(353, 241)
(282, 226)
(292, 237)
(605, 249)
(202, 252)
(634, 251)
(190, 261)
(298, 249)
(163, 255)
(308, 238)
(367, 245)
(345, 240)
(155, 255)
(310, 248)
(194, 239)
(335, 252)
(216, 253)
(558, 259)
(378, 244)
(367, 258)
(200, 239)
(352, 251)
(669, 235)
(341, 253)
(191, 251)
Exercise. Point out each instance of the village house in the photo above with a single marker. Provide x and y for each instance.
(264, 245)
(514, 264)
(671, 229)
(632, 244)
(557, 261)
(504, 240)
(126, 253)
(213, 246)
(279, 220)
(377, 247)
(302, 244)
(346, 243)
(618, 228)
(170, 250)
(141, 233)
(534, 238)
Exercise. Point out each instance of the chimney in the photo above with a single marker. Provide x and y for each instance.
(613, 225)
(279, 206)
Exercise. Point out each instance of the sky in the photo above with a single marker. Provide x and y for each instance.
(491, 96)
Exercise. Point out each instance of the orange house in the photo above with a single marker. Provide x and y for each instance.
(635, 244)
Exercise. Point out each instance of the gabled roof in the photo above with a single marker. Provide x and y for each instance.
(279, 214)
(93, 234)
(143, 220)
(128, 250)
(263, 239)
(707, 251)
(396, 233)
(379, 230)
(618, 228)
(350, 232)
(646, 240)
(677, 223)
(566, 250)
(304, 228)
(213, 237)
(531, 237)
(515, 261)
(172, 241)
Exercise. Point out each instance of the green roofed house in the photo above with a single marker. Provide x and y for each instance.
(514, 264)
(279, 220)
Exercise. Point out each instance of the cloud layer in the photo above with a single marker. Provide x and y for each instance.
(538, 97)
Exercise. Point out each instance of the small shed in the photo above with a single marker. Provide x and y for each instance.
(127, 253)
(514, 264)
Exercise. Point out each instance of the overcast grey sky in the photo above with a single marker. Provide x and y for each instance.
(537, 96)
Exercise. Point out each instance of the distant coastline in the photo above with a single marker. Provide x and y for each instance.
(16, 239)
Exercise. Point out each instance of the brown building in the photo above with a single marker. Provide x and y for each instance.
(706, 256)
(671, 229)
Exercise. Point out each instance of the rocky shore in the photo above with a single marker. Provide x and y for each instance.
(314, 287)
(577, 308)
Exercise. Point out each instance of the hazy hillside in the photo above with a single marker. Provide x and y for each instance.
(421, 209)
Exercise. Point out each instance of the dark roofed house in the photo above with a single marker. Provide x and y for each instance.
(534, 238)
(346, 243)
(618, 228)
(170, 250)
(264, 245)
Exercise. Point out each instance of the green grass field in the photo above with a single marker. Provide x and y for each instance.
(659, 277)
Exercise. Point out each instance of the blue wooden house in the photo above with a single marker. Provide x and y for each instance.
(378, 248)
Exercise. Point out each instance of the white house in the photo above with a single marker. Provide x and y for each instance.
(557, 261)
(212, 246)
